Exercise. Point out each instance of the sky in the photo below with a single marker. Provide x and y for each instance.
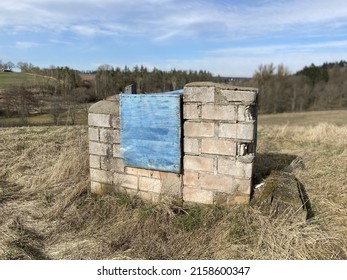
(224, 37)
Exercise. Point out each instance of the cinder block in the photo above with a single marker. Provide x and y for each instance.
(219, 112)
(171, 184)
(198, 129)
(239, 96)
(198, 163)
(247, 168)
(142, 172)
(150, 184)
(245, 113)
(102, 149)
(116, 150)
(244, 199)
(106, 107)
(199, 94)
(131, 170)
(245, 131)
(125, 181)
(218, 146)
(197, 195)
(93, 134)
(118, 164)
(230, 199)
(115, 121)
(107, 163)
(130, 182)
(191, 146)
(109, 136)
(112, 164)
(235, 168)
(100, 120)
(149, 196)
(99, 188)
(145, 196)
(227, 130)
(228, 166)
(94, 161)
(191, 111)
(96, 187)
(190, 178)
(101, 176)
(220, 183)
(243, 185)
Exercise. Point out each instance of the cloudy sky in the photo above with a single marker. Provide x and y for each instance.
(225, 37)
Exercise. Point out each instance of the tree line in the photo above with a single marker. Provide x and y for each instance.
(110, 80)
(312, 88)
(6, 66)
(56, 90)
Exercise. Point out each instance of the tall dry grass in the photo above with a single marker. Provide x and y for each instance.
(46, 211)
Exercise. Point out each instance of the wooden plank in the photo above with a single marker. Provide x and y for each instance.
(151, 131)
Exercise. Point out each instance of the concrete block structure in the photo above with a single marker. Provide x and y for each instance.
(218, 136)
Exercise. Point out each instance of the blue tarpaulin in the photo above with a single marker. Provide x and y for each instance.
(151, 130)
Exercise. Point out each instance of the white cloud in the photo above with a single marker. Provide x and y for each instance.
(26, 45)
(272, 49)
(258, 31)
(88, 30)
(169, 19)
(61, 42)
(243, 61)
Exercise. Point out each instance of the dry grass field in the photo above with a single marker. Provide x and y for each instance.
(47, 212)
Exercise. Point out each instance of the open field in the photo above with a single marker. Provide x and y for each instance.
(8, 79)
(338, 117)
(81, 118)
(47, 212)
(41, 106)
(88, 77)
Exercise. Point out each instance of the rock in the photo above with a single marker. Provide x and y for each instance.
(283, 194)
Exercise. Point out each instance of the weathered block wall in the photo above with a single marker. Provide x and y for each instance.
(107, 169)
(219, 143)
(219, 140)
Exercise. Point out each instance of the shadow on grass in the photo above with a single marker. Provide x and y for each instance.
(27, 244)
(265, 163)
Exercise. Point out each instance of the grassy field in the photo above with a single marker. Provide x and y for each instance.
(338, 117)
(81, 118)
(47, 212)
(8, 79)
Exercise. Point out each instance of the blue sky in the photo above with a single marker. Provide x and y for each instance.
(230, 37)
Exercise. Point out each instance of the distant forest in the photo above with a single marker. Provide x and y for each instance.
(312, 88)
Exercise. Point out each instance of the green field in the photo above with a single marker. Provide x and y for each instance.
(47, 119)
(8, 79)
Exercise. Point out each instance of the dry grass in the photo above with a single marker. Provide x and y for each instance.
(337, 117)
(46, 211)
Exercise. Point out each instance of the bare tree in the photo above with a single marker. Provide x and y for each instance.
(9, 66)
(19, 101)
